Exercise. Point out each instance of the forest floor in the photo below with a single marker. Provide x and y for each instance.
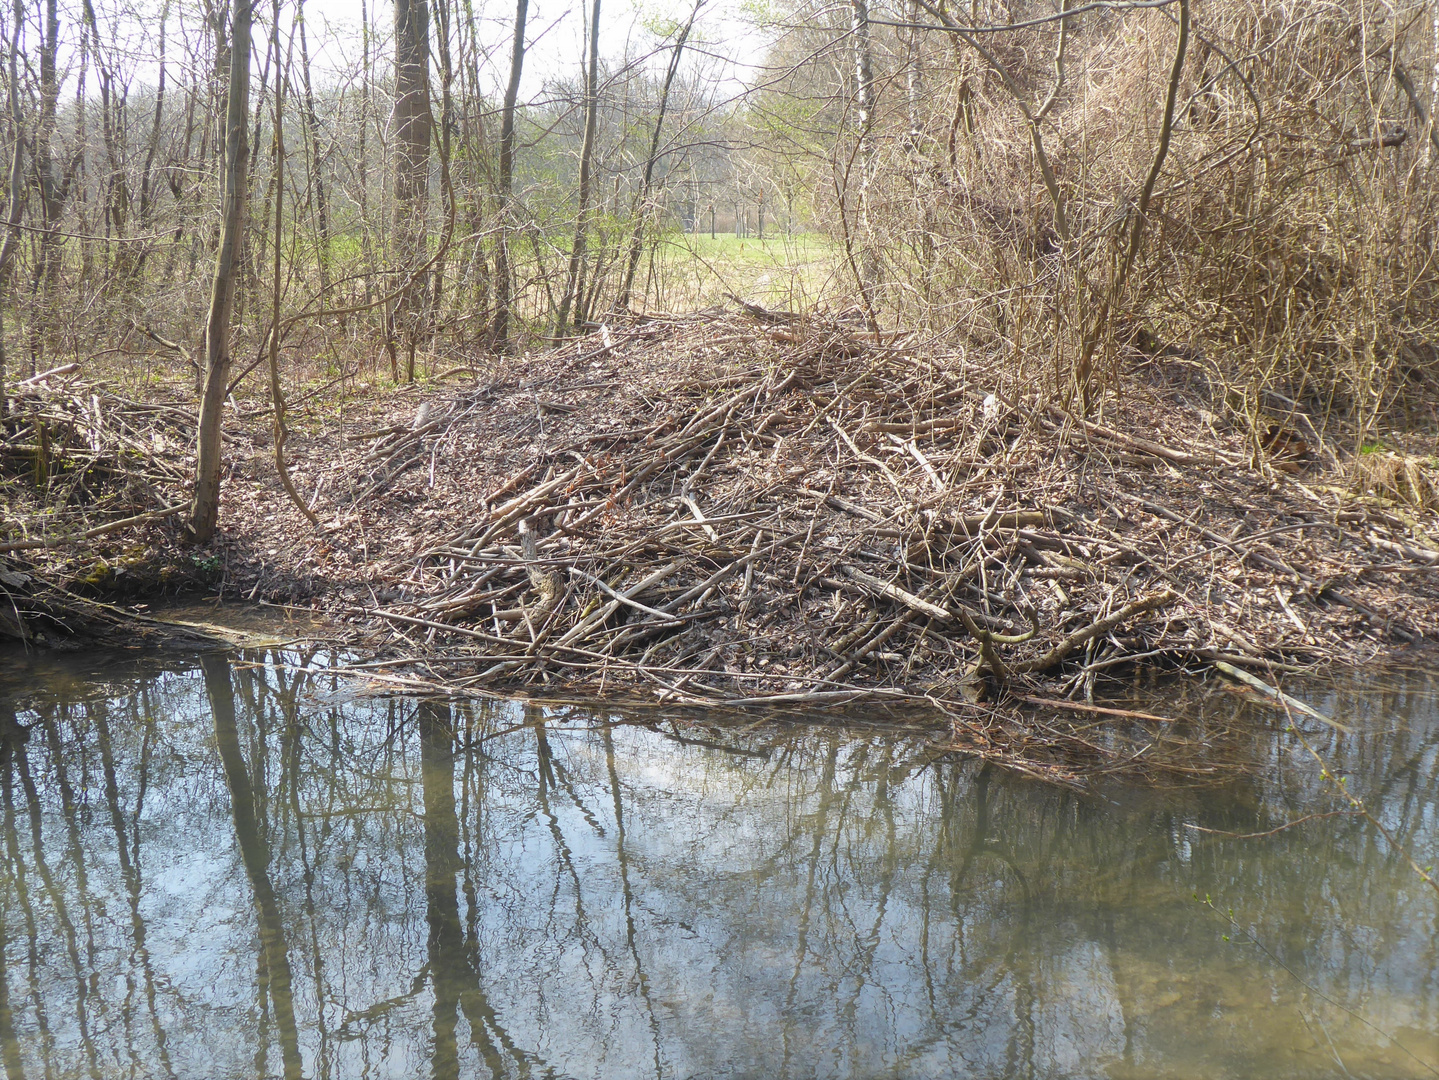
(737, 510)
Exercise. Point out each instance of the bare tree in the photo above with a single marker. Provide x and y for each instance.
(573, 284)
(279, 432)
(48, 180)
(643, 198)
(316, 156)
(15, 190)
(412, 169)
(500, 330)
(206, 511)
(864, 118)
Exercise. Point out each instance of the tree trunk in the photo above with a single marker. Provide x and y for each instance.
(864, 107)
(914, 144)
(913, 78)
(317, 160)
(51, 189)
(206, 511)
(434, 295)
(81, 140)
(279, 432)
(500, 329)
(362, 153)
(587, 153)
(116, 188)
(412, 168)
(149, 180)
(15, 188)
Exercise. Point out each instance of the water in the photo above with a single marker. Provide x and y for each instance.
(237, 869)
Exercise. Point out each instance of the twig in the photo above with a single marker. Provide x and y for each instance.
(99, 530)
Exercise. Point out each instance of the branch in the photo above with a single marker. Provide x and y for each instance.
(1401, 76)
(1094, 630)
(1166, 130)
(948, 24)
(1061, 219)
(99, 530)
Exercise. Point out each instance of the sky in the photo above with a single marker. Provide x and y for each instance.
(726, 41)
(555, 31)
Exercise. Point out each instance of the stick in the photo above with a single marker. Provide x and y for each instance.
(814, 697)
(597, 617)
(1279, 697)
(1093, 630)
(868, 647)
(918, 427)
(99, 530)
(694, 508)
(621, 597)
(1159, 450)
(894, 592)
(63, 369)
(1079, 706)
(726, 570)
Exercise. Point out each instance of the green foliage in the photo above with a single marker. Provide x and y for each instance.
(208, 565)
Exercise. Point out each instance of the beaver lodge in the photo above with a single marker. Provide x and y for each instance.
(756, 509)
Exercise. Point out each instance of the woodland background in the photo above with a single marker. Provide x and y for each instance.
(1243, 186)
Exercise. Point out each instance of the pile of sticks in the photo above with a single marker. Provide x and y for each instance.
(857, 520)
(88, 461)
(80, 464)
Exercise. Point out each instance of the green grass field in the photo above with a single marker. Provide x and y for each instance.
(693, 271)
(690, 271)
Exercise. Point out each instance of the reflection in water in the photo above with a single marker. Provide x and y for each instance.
(220, 869)
(273, 978)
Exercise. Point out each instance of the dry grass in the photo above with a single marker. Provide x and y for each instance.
(1406, 479)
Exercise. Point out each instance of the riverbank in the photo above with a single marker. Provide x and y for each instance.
(753, 509)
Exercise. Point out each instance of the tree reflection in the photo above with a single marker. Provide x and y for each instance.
(453, 957)
(474, 890)
(10, 734)
(275, 977)
(127, 850)
(12, 739)
(622, 862)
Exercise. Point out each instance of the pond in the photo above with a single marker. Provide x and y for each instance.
(233, 866)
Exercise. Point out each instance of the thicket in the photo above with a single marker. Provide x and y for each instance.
(1244, 186)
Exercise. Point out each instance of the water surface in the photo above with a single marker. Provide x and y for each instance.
(222, 868)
